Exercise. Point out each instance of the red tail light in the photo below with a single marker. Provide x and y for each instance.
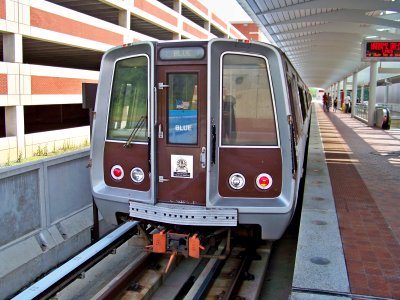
(117, 172)
(264, 181)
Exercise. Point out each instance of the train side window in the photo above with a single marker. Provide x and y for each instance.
(302, 103)
(294, 104)
(293, 109)
(247, 109)
(128, 102)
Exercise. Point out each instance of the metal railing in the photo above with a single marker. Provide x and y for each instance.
(361, 112)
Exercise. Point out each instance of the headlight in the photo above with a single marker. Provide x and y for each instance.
(237, 181)
(137, 175)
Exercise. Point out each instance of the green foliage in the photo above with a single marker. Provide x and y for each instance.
(41, 151)
(313, 92)
(67, 146)
(19, 159)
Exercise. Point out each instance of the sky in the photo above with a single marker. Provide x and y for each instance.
(233, 13)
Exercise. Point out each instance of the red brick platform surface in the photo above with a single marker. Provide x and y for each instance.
(364, 167)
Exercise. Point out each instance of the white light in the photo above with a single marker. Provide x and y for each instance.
(237, 181)
(137, 175)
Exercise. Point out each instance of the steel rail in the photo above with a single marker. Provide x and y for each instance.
(201, 285)
(63, 275)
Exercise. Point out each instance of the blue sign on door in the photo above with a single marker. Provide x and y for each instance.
(182, 126)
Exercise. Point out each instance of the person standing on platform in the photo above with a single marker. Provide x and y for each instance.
(324, 101)
(329, 104)
(347, 104)
(335, 105)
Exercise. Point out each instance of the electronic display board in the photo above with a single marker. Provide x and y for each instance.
(381, 51)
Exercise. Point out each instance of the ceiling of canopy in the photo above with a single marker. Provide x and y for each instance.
(323, 38)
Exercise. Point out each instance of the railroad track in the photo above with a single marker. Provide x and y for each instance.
(239, 276)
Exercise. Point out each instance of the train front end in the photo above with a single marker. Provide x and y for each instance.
(195, 134)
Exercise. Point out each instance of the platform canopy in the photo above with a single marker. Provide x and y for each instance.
(323, 38)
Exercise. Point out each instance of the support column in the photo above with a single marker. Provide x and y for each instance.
(354, 94)
(386, 96)
(124, 20)
(362, 93)
(177, 6)
(207, 26)
(344, 89)
(12, 47)
(15, 126)
(372, 93)
(336, 91)
(14, 115)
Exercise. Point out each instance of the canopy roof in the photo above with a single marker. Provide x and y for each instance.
(323, 38)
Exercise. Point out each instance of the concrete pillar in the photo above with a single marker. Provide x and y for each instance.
(386, 99)
(12, 47)
(14, 115)
(176, 36)
(344, 89)
(336, 91)
(15, 126)
(124, 19)
(207, 26)
(354, 95)
(372, 93)
(362, 93)
(177, 6)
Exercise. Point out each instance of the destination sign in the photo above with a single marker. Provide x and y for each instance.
(381, 50)
(178, 53)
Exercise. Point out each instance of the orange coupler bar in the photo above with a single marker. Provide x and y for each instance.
(195, 247)
(159, 242)
(176, 243)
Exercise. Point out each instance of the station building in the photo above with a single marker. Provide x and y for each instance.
(50, 48)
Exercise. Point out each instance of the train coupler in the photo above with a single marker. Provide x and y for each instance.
(176, 243)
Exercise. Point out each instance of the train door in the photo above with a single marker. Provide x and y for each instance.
(181, 134)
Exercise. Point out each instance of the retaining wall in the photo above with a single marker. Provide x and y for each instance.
(45, 217)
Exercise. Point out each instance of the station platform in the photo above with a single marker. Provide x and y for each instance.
(349, 238)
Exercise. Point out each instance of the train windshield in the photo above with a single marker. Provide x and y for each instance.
(247, 105)
(128, 102)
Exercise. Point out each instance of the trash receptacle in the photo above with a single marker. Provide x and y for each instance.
(382, 117)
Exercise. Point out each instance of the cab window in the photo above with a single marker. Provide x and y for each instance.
(247, 110)
(128, 102)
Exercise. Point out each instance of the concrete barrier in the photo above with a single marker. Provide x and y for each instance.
(45, 217)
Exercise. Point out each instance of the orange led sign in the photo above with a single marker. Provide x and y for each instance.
(381, 50)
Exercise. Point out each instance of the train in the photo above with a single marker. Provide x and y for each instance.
(199, 134)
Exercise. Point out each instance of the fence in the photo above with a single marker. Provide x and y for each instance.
(361, 112)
